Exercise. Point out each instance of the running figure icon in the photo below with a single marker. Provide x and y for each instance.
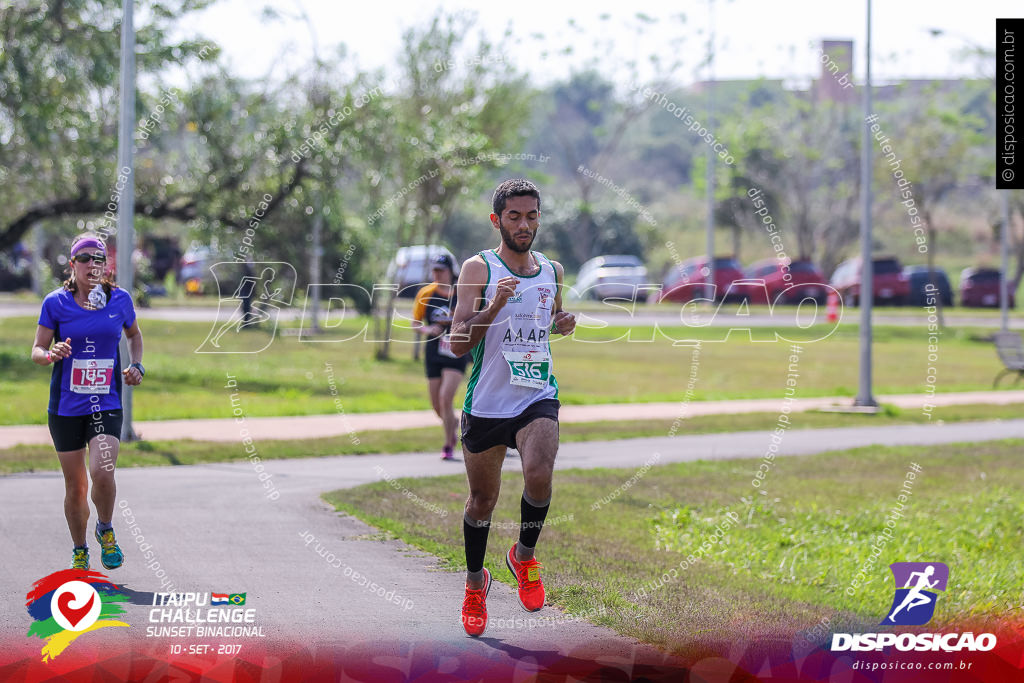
(915, 597)
(261, 309)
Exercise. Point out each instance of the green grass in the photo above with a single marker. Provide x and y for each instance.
(30, 458)
(782, 569)
(598, 366)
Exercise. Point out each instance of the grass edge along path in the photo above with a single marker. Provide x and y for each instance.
(596, 366)
(40, 457)
(782, 570)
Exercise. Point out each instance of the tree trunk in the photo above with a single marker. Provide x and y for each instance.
(403, 238)
(931, 268)
(384, 335)
(1018, 247)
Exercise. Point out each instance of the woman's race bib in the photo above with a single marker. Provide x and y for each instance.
(91, 376)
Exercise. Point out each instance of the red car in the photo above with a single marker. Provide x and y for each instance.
(773, 272)
(980, 287)
(686, 281)
(890, 283)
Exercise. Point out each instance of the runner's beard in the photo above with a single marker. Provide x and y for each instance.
(510, 240)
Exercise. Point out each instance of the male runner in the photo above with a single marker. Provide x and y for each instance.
(512, 396)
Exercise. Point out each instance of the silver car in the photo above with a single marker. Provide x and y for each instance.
(410, 267)
(612, 276)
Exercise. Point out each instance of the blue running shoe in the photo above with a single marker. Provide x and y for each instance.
(110, 555)
(80, 558)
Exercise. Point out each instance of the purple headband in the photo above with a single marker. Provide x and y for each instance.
(87, 242)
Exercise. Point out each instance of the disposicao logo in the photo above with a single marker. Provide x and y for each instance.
(71, 603)
(913, 604)
(915, 598)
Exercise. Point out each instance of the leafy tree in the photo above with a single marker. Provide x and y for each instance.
(934, 146)
(804, 157)
(583, 126)
(458, 106)
(583, 123)
(59, 70)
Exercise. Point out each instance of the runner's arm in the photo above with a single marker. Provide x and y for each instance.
(469, 325)
(41, 346)
(134, 335)
(132, 376)
(562, 322)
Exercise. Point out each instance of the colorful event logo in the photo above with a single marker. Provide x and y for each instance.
(71, 603)
(916, 583)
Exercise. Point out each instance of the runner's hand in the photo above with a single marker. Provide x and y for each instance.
(564, 323)
(505, 288)
(132, 376)
(60, 350)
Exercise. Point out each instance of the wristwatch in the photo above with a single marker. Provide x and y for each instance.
(138, 366)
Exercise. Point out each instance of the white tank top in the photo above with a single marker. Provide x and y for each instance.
(512, 365)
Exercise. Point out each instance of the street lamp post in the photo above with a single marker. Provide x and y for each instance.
(1004, 248)
(864, 394)
(710, 171)
(126, 206)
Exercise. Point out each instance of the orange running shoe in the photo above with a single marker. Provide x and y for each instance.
(531, 588)
(474, 608)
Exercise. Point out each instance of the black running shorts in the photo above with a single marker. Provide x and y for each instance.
(72, 432)
(481, 433)
(435, 363)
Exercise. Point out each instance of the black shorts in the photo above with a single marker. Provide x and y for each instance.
(481, 433)
(72, 432)
(436, 362)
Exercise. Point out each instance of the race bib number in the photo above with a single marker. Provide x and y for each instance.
(528, 369)
(444, 346)
(91, 376)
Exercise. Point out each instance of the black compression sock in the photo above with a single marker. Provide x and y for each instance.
(475, 534)
(533, 513)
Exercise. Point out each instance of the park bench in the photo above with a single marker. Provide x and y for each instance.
(1011, 352)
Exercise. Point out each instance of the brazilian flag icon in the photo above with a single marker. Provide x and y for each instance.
(237, 598)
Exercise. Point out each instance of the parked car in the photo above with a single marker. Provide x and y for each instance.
(686, 281)
(15, 269)
(889, 283)
(196, 277)
(165, 256)
(410, 267)
(616, 276)
(980, 287)
(773, 273)
(195, 274)
(917, 281)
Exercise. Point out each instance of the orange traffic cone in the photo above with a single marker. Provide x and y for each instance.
(832, 310)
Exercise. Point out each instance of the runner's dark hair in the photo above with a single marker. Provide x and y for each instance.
(516, 187)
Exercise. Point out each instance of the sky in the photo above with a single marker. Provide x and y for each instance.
(753, 38)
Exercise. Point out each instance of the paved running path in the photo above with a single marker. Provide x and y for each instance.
(317, 426)
(212, 529)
